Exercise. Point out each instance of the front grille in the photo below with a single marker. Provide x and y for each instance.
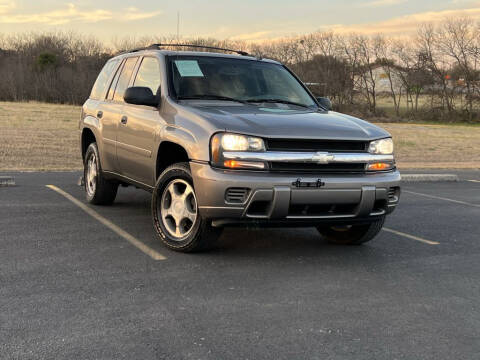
(317, 168)
(236, 195)
(316, 145)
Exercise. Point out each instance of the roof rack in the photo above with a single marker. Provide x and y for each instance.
(158, 46)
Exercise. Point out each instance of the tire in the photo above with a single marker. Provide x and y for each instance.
(176, 219)
(99, 191)
(353, 234)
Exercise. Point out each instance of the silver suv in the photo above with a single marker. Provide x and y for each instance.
(224, 140)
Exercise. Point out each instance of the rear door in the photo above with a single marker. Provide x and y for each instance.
(136, 133)
(96, 109)
(111, 111)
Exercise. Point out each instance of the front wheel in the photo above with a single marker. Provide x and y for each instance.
(351, 234)
(176, 218)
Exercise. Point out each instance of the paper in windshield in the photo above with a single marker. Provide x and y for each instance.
(188, 68)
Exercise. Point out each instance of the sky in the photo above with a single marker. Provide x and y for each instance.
(249, 20)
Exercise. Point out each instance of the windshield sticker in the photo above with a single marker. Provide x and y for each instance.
(276, 110)
(188, 68)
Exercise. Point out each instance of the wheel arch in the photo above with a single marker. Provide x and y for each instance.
(87, 137)
(169, 153)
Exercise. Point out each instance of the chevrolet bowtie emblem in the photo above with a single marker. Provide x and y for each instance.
(322, 157)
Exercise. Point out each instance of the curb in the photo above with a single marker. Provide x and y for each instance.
(429, 177)
(7, 181)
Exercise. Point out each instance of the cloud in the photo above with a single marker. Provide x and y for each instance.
(378, 3)
(405, 24)
(132, 14)
(465, 2)
(57, 17)
(259, 35)
(396, 26)
(70, 14)
(6, 6)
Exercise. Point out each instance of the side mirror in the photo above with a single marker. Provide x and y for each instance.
(140, 95)
(325, 102)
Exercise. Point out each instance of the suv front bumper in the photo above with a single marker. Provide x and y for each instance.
(277, 197)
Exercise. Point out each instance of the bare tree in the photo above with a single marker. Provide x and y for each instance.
(458, 39)
(428, 39)
(439, 62)
(367, 50)
(393, 71)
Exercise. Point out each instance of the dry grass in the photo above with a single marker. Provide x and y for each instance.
(37, 136)
(436, 146)
(385, 103)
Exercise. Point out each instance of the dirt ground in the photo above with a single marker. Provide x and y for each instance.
(38, 136)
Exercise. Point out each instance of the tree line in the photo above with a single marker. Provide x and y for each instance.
(433, 74)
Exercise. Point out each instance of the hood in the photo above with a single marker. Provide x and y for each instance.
(284, 123)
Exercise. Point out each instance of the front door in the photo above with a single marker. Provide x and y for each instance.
(138, 126)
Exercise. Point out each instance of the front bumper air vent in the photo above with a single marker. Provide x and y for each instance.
(236, 195)
(393, 194)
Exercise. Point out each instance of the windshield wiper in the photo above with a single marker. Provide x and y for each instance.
(226, 98)
(281, 101)
(210, 97)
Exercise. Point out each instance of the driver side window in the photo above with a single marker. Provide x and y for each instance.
(149, 75)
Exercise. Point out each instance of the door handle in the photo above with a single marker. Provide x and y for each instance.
(100, 114)
(124, 120)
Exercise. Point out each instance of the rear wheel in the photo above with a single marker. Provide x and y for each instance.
(99, 191)
(351, 234)
(175, 214)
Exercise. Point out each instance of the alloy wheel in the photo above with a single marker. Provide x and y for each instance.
(179, 208)
(91, 176)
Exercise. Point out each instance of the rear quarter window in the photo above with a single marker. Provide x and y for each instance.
(102, 80)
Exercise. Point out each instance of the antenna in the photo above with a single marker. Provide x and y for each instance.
(178, 25)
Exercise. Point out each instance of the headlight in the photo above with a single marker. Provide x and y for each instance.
(224, 142)
(234, 142)
(383, 147)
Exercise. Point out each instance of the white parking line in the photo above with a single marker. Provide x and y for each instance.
(442, 198)
(475, 181)
(119, 231)
(412, 237)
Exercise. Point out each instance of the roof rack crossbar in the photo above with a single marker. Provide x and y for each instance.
(157, 46)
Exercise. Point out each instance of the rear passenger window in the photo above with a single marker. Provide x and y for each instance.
(124, 78)
(102, 80)
(149, 75)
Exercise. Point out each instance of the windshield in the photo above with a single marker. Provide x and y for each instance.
(248, 81)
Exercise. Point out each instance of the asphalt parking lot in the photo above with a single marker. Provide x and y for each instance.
(74, 287)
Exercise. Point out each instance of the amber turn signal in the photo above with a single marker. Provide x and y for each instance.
(234, 164)
(231, 163)
(379, 166)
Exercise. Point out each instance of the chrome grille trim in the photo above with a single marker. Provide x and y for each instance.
(308, 157)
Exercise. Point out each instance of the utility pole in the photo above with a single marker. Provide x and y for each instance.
(178, 26)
